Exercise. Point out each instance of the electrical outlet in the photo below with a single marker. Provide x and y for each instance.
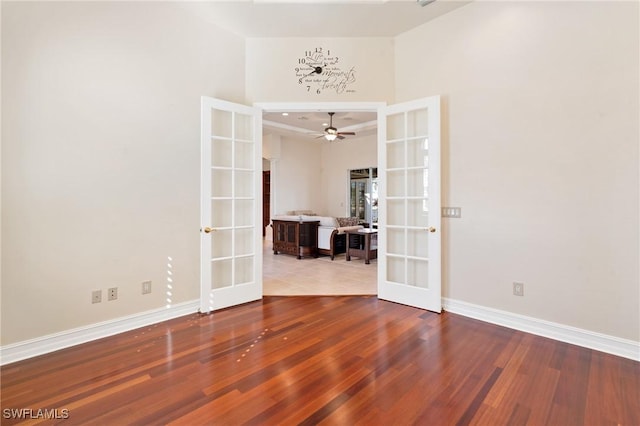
(518, 289)
(96, 296)
(112, 293)
(146, 287)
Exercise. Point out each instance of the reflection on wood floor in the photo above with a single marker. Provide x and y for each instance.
(339, 360)
(285, 275)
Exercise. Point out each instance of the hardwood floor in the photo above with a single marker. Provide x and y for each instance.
(341, 360)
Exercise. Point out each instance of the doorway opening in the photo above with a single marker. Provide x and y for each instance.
(286, 275)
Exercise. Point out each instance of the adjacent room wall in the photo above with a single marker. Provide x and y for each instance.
(337, 159)
(296, 176)
(540, 149)
(100, 156)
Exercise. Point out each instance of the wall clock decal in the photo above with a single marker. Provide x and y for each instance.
(320, 70)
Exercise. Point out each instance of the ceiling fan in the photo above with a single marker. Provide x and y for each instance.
(331, 133)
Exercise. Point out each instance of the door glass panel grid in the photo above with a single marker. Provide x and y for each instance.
(396, 183)
(243, 270)
(396, 269)
(418, 212)
(244, 181)
(407, 180)
(418, 272)
(417, 243)
(223, 216)
(417, 122)
(396, 126)
(243, 241)
(243, 127)
(220, 178)
(221, 243)
(245, 212)
(417, 152)
(396, 154)
(396, 208)
(417, 180)
(221, 123)
(221, 152)
(396, 241)
(244, 154)
(221, 273)
(409, 271)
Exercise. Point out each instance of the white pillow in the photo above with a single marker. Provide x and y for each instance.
(327, 221)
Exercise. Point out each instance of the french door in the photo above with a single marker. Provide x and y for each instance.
(231, 204)
(409, 265)
(409, 270)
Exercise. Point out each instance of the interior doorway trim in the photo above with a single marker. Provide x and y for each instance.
(318, 106)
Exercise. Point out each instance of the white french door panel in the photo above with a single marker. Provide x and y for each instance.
(409, 231)
(231, 204)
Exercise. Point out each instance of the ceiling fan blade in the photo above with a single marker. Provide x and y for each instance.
(340, 136)
(346, 133)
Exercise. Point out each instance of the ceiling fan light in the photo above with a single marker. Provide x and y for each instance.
(330, 137)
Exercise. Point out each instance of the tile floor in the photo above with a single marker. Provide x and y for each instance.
(285, 275)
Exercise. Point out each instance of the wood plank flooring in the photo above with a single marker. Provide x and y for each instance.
(342, 360)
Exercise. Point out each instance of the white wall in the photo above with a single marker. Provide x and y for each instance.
(337, 159)
(295, 178)
(100, 156)
(540, 150)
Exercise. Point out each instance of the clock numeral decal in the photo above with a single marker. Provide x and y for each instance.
(318, 70)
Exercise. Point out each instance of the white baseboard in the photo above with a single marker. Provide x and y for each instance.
(53, 342)
(564, 333)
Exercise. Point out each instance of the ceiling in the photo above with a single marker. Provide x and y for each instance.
(321, 18)
(311, 124)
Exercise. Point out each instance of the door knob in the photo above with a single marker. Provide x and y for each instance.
(432, 229)
(207, 230)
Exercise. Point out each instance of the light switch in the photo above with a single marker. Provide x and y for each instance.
(455, 212)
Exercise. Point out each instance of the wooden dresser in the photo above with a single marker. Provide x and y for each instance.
(296, 237)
